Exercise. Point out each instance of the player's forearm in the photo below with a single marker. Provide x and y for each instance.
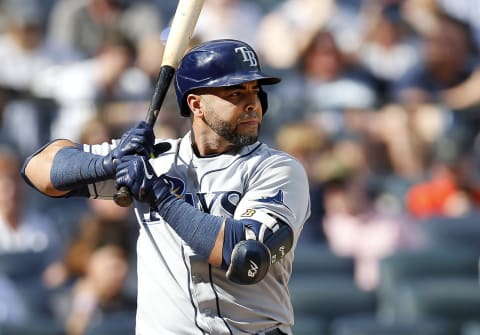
(63, 169)
(216, 255)
(37, 167)
(202, 231)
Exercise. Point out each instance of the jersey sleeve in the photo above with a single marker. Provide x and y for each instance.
(280, 188)
(105, 189)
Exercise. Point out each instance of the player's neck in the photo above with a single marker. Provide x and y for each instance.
(205, 146)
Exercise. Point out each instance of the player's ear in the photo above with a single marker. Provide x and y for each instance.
(194, 103)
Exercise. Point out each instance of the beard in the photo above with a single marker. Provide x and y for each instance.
(229, 132)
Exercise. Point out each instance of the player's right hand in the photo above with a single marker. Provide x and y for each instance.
(138, 140)
(136, 173)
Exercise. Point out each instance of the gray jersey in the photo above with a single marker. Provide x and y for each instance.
(178, 291)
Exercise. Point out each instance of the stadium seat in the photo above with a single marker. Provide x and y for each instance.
(309, 325)
(456, 300)
(34, 327)
(471, 328)
(404, 267)
(118, 323)
(460, 233)
(370, 325)
(22, 264)
(328, 296)
(318, 258)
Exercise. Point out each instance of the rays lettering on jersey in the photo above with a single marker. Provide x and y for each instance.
(228, 200)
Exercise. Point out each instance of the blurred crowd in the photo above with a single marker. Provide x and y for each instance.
(380, 101)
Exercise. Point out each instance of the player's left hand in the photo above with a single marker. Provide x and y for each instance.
(136, 173)
(138, 140)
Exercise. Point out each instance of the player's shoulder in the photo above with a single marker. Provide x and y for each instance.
(265, 152)
(268, 157)
(276, 169)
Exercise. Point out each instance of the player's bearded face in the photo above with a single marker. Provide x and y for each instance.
(230, 131)
(234, 113)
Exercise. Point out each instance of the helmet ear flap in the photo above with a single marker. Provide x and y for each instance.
(262, 95)
(184, 109)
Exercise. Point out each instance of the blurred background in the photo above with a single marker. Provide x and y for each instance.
(380, 100)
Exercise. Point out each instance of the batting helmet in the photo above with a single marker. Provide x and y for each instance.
(219, 63)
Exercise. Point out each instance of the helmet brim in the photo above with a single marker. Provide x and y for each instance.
(236, 79)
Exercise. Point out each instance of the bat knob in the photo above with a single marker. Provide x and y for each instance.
(123, 197)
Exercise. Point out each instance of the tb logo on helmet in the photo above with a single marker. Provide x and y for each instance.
(248, 56)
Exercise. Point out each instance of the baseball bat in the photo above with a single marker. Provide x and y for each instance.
(181, 30)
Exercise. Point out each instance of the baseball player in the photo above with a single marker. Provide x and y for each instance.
(219, 212)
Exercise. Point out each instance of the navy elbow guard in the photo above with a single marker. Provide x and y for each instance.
(280, 242)
(249, 263)
(265, 244)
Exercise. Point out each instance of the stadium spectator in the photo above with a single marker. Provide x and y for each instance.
(237, 19)
(81, 88)
(449, 189)
(24, 53)
(12, 306)
(388, 48)
(421, 89)
(83, 25)
(285, 31)
(361, 221)
(29, 242)
(440, 68)
(96, 269)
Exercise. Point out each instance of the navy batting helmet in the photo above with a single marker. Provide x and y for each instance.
(219, 63)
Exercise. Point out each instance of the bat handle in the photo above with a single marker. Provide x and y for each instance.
(123, 197)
